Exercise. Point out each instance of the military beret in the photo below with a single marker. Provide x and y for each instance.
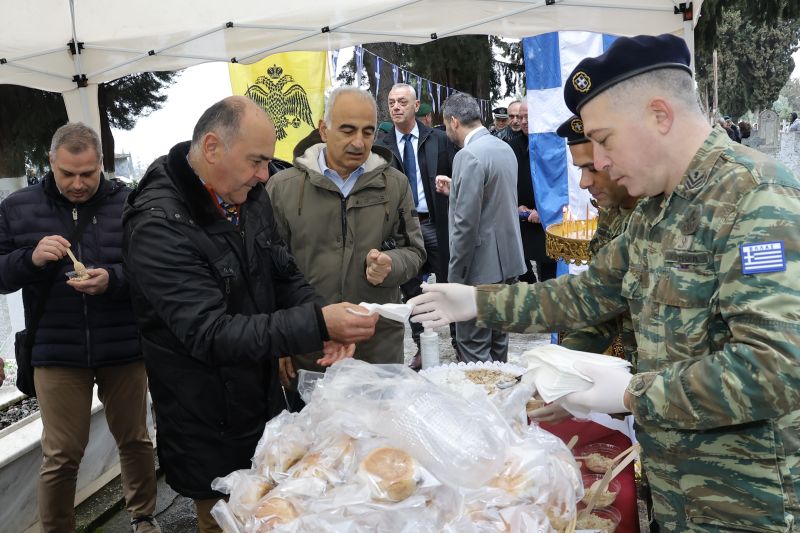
(572, 130)
(500, 112)
(423, 110)
(385, 126)
(625, 58)
(726, 117)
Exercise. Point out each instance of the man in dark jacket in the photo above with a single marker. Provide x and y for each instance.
(531, 229)
(218, 299)
(87, 332)
(431, 155)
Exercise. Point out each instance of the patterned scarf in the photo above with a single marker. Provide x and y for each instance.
(229, 211)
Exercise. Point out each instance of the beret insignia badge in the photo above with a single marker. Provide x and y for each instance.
(582, 82)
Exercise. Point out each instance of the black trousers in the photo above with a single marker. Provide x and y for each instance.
(433, 265)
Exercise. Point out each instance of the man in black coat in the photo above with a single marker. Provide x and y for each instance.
(431, 155)
(219, 299)
(87, 332)
(531, 229)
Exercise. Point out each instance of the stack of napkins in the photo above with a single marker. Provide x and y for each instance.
(552, 369)
(398, 312)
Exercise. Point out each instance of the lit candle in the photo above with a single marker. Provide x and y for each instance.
(586, 223)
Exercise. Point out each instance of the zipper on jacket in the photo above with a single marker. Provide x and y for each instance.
(88, 333)
(343, 204)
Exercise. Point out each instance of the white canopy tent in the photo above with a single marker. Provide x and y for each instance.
(119, 37)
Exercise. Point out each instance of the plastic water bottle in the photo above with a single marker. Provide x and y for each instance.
(429, 348)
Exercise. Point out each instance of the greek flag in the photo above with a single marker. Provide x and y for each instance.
(549, 59)
(763, 257)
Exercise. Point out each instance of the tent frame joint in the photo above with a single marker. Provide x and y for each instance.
(81, 80)
(72, 49)
(686, 9)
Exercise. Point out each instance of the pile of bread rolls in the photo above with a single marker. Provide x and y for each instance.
(359, 458)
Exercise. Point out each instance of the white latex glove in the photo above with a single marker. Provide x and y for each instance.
(443, 303)
(606, 394)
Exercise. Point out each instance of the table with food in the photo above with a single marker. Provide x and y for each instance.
(382, 448)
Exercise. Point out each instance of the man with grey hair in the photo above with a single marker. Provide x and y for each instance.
(374, 245)
(219, 298)
(485, 242)
(80, 331)
(423, 154)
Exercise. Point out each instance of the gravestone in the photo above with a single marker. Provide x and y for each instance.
(768, 139)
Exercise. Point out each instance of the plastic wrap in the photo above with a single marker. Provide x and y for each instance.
(378, 448)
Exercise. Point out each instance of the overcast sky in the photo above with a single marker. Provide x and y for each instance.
(195, 90)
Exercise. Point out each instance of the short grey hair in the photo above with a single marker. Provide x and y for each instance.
(405, 86)
(674, 83)
(76, 138)
(331, 102)
(223, 118)
(463, 107)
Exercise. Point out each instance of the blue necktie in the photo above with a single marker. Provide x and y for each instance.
(410, 165)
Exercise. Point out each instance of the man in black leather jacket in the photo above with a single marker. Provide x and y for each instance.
(218, 299)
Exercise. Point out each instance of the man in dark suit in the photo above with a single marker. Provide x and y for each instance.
(430, 155)
(533, 235)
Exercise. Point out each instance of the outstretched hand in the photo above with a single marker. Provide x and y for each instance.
(348, 328)
(443, 303)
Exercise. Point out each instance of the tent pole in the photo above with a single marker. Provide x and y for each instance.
(83, 106)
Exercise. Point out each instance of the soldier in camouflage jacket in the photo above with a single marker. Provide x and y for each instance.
(615, 206)
(709, 267)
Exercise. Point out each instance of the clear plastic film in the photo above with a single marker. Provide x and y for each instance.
(379, 448)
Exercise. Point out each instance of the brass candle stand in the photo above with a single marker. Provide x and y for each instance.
(569, 240)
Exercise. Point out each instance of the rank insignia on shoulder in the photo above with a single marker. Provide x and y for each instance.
(763, 257)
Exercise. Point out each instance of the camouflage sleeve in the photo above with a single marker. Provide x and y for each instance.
(566, 302)
(594, 339)
(755, 375)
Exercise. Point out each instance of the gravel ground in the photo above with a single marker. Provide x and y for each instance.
(18, 411)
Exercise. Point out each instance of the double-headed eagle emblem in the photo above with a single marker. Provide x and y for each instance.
(285, 108)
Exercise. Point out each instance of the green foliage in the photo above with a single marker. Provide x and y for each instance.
(791, 92)
(466, 63)
(754, 57)
(30, 117)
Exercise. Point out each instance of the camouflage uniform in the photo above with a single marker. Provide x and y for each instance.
(611, 222)
(718, 388)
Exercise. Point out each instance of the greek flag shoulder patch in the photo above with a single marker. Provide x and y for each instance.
(763, 257)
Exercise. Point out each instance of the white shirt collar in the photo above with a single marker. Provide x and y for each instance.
(399, 136)
(471, 134)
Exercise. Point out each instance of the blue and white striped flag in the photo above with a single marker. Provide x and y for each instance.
(549, 59)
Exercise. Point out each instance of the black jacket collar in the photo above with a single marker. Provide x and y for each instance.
(201, 206)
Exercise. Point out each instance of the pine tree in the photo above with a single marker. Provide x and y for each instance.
(30, 117)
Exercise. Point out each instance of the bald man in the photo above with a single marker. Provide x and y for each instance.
(218, 299)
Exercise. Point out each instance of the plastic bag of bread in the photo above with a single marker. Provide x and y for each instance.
(225, 518)
(390, 473)
(271, 513)
(246, 488)
(459, 441)
(285, 441)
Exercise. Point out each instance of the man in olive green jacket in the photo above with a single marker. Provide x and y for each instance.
(348, 218)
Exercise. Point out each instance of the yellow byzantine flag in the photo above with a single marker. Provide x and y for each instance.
(290, 87)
